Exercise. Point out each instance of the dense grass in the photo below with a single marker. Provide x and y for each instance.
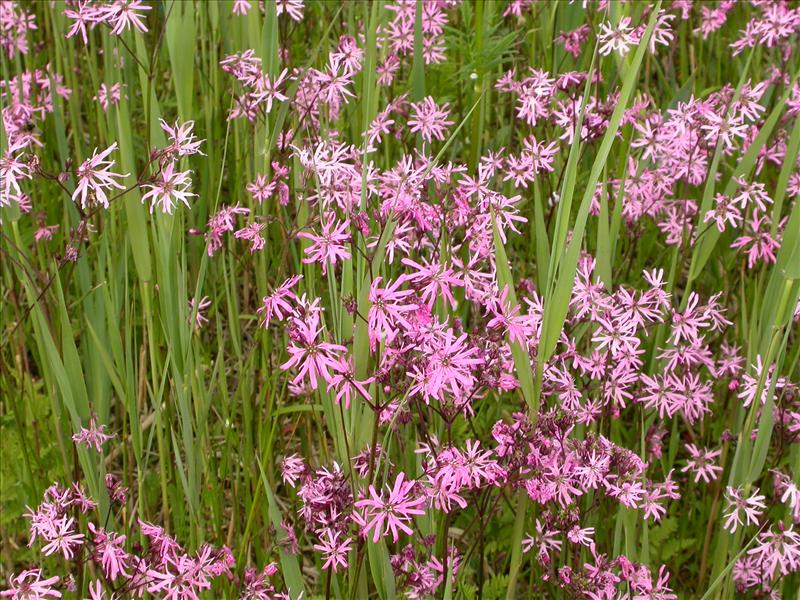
(137, 320)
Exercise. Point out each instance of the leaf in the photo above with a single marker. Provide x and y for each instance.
(290, 566)
(557, 301)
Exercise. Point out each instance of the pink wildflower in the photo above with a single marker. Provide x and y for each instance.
(169, 188)
(702, 463)
(392, 514)
(94, 176)
(328, 247)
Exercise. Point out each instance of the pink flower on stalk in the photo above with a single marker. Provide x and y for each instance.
(86, 14)
(387, 311)
(261, 189)
(292, 467)
(449, 368)
(758, 242)
(750, 383)
(29, 585)
(180, 579)
(508, 318)
(616, 39)
(15, 22)
(519, 170)
(252, 233)
(751, 193)
(725, 129)
(45, 232)
(576, 535)
(293, 8)
(96, 591)
(739, 506)
(202, 306)
(435, 280)
(702, 463)
(387, 70)
(687, 325)
(169, 188)
(777, 550)
(122, 15)
(314, 357)
(109, 550)
(220, 222)
(724, 212)
(277, 303)
(329, 246)
(393, 514)
(573, 40)
(63, 538)
(241, 7)
(266, 90)
(12, 170)
(540, 155)
(94, 176)
(429, 119)
(182, 140)
(334, 549)
(93, 436)
(346, 385)
(107, 96)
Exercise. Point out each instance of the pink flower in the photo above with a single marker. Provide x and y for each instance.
(45, 232)
(448, 368)
(241, 7)
(170, 187)
(93, 436)
(758, 242)
(86, 14)
(122, 15)
(15, 22)
(223, 220)
(435, 280)
(702, 464)
(387, 311)
(252, 233)
(94, 176)
(329, 246)
(508, 318)
(261, 189)
(429, 119)
(293, 8)
(292, 467)
(266, 90)
(96, 591)
(109, 549)
(314, 357)
(346, 385)
(334, 549)
(392, 514)
(63, 538)
(777, 551)
(738, 506)
(107, 96)
(182, 140)
(724, 212)
(751, 193)
(277, 303)
(29, 585)
(12, 171)
(617, 39)
(573, 40)
(200, 318)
